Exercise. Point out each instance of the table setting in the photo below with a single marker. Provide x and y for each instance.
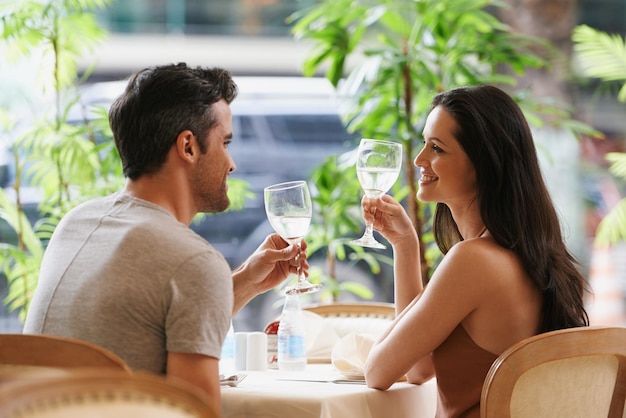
(314, 368)
(321, 391)
(331, 385)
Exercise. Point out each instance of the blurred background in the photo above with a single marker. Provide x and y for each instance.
(278, 109)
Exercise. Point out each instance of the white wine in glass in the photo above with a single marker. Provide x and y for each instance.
(289, 209)
(377, 167)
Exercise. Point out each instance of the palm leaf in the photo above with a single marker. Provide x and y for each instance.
(612, 228)
(604, 56)
(618, 163)
(601, 55)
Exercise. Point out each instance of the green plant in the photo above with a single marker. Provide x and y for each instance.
(603, 56)
(66, 161)
(408, 51)
(337, 218)
(62, 160)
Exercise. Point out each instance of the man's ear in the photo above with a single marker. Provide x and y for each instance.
(186, 146)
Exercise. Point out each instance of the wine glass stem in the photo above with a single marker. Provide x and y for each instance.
(301, 277)
(369, 226)
(369, 229)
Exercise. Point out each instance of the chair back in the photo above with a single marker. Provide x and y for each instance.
(47, 351)
(359, 317)
(355, 310)
(576, 372)
(104, 393)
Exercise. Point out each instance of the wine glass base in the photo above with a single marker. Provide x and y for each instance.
(302, 288)
(365, 242)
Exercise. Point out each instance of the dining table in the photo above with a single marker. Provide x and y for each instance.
(321, 391)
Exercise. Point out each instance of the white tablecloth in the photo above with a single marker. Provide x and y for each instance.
(267, 395)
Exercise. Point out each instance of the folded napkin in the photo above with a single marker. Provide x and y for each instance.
(320, 336)
(350, 352)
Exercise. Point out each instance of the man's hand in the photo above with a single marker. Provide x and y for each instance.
(266, 268)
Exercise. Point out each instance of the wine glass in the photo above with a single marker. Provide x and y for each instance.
(288, 207)
(377, 166)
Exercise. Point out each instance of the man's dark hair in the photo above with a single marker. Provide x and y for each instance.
(158, 104)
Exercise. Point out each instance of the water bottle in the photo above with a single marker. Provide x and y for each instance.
(291, 342)
(227, 359)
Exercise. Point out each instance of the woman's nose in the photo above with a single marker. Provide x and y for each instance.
(420, 161)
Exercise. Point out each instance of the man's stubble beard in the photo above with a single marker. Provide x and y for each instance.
(208, 203)
(206, 198)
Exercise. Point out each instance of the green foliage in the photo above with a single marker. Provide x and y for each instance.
(408, 51)
(612, 228)
(336, 220)
(60, 31)
(603, 56)
(59, 158)
(335, 196)
(535, 110)
(66, 159)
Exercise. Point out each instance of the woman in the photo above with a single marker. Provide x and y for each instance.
(506, 273)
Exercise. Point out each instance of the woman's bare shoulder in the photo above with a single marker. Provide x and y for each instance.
(507, 302)
(484, 248)
(483, 259)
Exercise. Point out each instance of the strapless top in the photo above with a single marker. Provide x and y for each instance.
(461, 367)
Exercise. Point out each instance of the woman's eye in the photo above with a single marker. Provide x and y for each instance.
(434, 148)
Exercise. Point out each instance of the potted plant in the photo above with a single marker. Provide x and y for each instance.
(407, 52)
(60, 149)
(60, 159)
(336, 220)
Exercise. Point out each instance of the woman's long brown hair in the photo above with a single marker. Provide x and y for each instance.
(514, 202)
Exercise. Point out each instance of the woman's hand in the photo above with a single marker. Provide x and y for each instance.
(389, 218)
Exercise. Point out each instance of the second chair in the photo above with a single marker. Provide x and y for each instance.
(576, 372)
(46, 351)
(104, 393)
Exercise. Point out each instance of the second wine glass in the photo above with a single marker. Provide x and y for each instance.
(289, 209)
(377, 166)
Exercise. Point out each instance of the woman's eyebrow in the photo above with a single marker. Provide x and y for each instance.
(434, 139)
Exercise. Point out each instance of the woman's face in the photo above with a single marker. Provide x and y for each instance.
(447, 174)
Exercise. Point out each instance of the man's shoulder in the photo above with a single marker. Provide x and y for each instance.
(95, 204)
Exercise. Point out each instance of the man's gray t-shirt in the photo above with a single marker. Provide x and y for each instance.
(123, 273)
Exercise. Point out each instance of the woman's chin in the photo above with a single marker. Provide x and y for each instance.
(424, 197)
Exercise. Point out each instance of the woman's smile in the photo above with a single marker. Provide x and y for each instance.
(427, 178)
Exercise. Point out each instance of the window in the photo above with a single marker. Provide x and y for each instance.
(220, 17)
(312, 129)
(605, 15)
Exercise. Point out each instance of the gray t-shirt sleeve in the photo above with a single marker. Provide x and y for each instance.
(199, 306)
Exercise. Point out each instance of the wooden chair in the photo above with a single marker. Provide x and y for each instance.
(577, 372)
(359, 317)
(46, 351)
(104, 393)
(355, 310)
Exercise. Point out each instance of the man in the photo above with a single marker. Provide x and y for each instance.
(125, 271)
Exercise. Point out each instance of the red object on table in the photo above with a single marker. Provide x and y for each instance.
(272, 344)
